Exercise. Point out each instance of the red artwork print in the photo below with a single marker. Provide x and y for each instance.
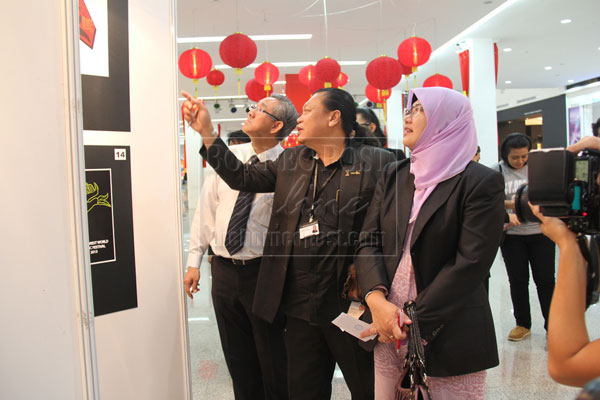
(87, 29)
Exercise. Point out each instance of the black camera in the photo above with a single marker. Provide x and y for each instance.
(564, 185)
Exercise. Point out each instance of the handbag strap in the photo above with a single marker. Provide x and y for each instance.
(415, 356)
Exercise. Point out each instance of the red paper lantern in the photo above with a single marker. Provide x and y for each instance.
(215, 78)
(255, 91)
(404, 70)
(266, 74)
(316, 84)
(238, 51)
(194, 64)
(290, 141)
(327, 70)
(383, 72)
(342, 79)
(414, 52)
(438, 80)
(377, 95)
(306, 74)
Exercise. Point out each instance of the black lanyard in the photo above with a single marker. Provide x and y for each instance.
(315, 192)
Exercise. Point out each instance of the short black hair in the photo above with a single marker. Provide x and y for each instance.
(596, 127)
(513, 141)
(368, 115)
(240, 136)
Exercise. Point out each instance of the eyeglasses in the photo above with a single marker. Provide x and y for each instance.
(412, 111)
(258, 108)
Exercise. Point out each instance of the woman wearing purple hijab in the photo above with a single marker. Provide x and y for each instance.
(431, 235)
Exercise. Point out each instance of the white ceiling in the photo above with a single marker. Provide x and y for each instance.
(364, 29)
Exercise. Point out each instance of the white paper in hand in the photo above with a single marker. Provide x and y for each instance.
(353, 326)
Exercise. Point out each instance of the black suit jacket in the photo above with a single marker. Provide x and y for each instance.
(289, 177)
(454, 242)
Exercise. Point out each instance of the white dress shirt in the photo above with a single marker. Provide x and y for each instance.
(214, 209)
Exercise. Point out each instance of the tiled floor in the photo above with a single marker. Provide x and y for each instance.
(521, 375)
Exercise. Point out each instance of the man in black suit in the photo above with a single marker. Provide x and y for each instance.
(321, 194)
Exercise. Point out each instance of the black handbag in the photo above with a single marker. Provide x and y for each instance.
(412, 384)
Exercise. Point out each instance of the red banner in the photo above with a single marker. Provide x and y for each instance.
(463, 57)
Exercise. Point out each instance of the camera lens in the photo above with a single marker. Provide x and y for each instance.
(522, 208)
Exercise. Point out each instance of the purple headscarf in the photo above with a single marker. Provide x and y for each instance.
(447, 144)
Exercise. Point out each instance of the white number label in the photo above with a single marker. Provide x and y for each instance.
(120, 154)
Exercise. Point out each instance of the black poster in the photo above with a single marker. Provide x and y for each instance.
(105, 99)
(110, 225)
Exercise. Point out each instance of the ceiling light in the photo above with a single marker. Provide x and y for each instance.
(217, 39)
(565, 21)
(548, 68)
(508, 82)
(507, 49)
(216, 98)
(480, 22)
(570, 81)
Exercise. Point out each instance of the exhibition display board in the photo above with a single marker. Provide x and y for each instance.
(92, 242)
(132, 181)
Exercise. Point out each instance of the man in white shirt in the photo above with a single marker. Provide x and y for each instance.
(254, 349)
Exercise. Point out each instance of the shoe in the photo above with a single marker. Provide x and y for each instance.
(518, 333)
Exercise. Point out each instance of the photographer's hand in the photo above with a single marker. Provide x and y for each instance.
(555, 229)
(588, 142)
(572, 359)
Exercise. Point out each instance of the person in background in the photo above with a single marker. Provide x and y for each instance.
(523, 243)
(322, 191)
(477, 155)
(367, 118)
(237, 137)
(430, 235)
(234, 224)
(572, 358)
(596, 128)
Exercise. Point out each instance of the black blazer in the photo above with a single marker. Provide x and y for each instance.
(454, 242)
(289, 177)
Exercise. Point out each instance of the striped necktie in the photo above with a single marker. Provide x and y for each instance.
(236, 230)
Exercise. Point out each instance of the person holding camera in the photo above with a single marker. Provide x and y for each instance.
(572, 359)
(523, 243)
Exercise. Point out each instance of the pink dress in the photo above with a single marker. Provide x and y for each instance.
(388, 363)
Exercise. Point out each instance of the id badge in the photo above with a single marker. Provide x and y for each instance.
(309, 229)
(356, 309)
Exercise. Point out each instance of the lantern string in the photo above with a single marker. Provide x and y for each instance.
(380, 28)
(337, 12)
(326, 28)
(237, 19)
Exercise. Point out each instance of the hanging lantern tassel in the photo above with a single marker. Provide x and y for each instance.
(238, 72)
(385, 121)
(327, 84)
(385, 94)
(184, 152)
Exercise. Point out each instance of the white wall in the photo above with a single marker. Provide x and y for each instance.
(50, 348)
(42, 342)
(142, 352)
(509, 98)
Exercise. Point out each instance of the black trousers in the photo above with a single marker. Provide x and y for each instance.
(254, 350)
(518, 252)
(312, 352)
